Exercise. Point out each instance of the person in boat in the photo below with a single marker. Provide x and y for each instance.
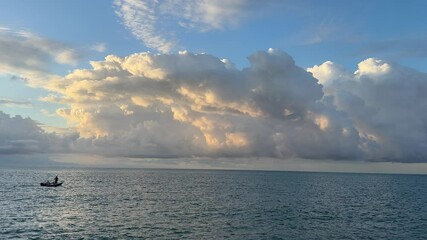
(56, 179)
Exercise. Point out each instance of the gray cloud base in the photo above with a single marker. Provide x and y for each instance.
(24, 136)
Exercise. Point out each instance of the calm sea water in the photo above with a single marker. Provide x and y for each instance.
(199, 204)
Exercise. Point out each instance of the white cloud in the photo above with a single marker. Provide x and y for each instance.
(29, 56)
(99, 47)
(386, 103)
(208, 15)
(372, 66)
(14, 103)
(198, 106)
(150, 21)
(67, 56)
(140, 18)
(183, 105)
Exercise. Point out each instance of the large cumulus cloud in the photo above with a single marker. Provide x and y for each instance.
(186, 104)
(199, 106)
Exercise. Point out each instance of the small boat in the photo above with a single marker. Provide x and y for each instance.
(51, 184)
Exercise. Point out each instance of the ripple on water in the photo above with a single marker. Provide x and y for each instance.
(194, 204)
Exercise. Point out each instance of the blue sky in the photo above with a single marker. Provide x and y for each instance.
(312, 32)
(60, 37)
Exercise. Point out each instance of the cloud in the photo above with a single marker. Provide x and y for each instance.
(397, 48)
(198, 106)
(99, 47)
(26, 54)
(140, 18)
(150, 21)
(211, 15)
(69, 57)
(320, 32)
(386, 103)
(47, 113)
(14, 103)
(186, 105)
(33, 59)
(23, 136)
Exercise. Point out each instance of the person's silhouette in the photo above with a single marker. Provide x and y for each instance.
(56, 179)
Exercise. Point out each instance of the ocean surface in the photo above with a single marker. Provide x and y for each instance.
(205, 204)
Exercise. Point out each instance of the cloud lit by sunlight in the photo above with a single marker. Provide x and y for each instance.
(147, 20)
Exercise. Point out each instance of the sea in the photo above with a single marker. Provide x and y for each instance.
(210, 204)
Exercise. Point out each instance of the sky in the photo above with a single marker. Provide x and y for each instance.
(227, 84)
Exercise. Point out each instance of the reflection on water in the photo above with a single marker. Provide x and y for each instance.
(195, 204)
